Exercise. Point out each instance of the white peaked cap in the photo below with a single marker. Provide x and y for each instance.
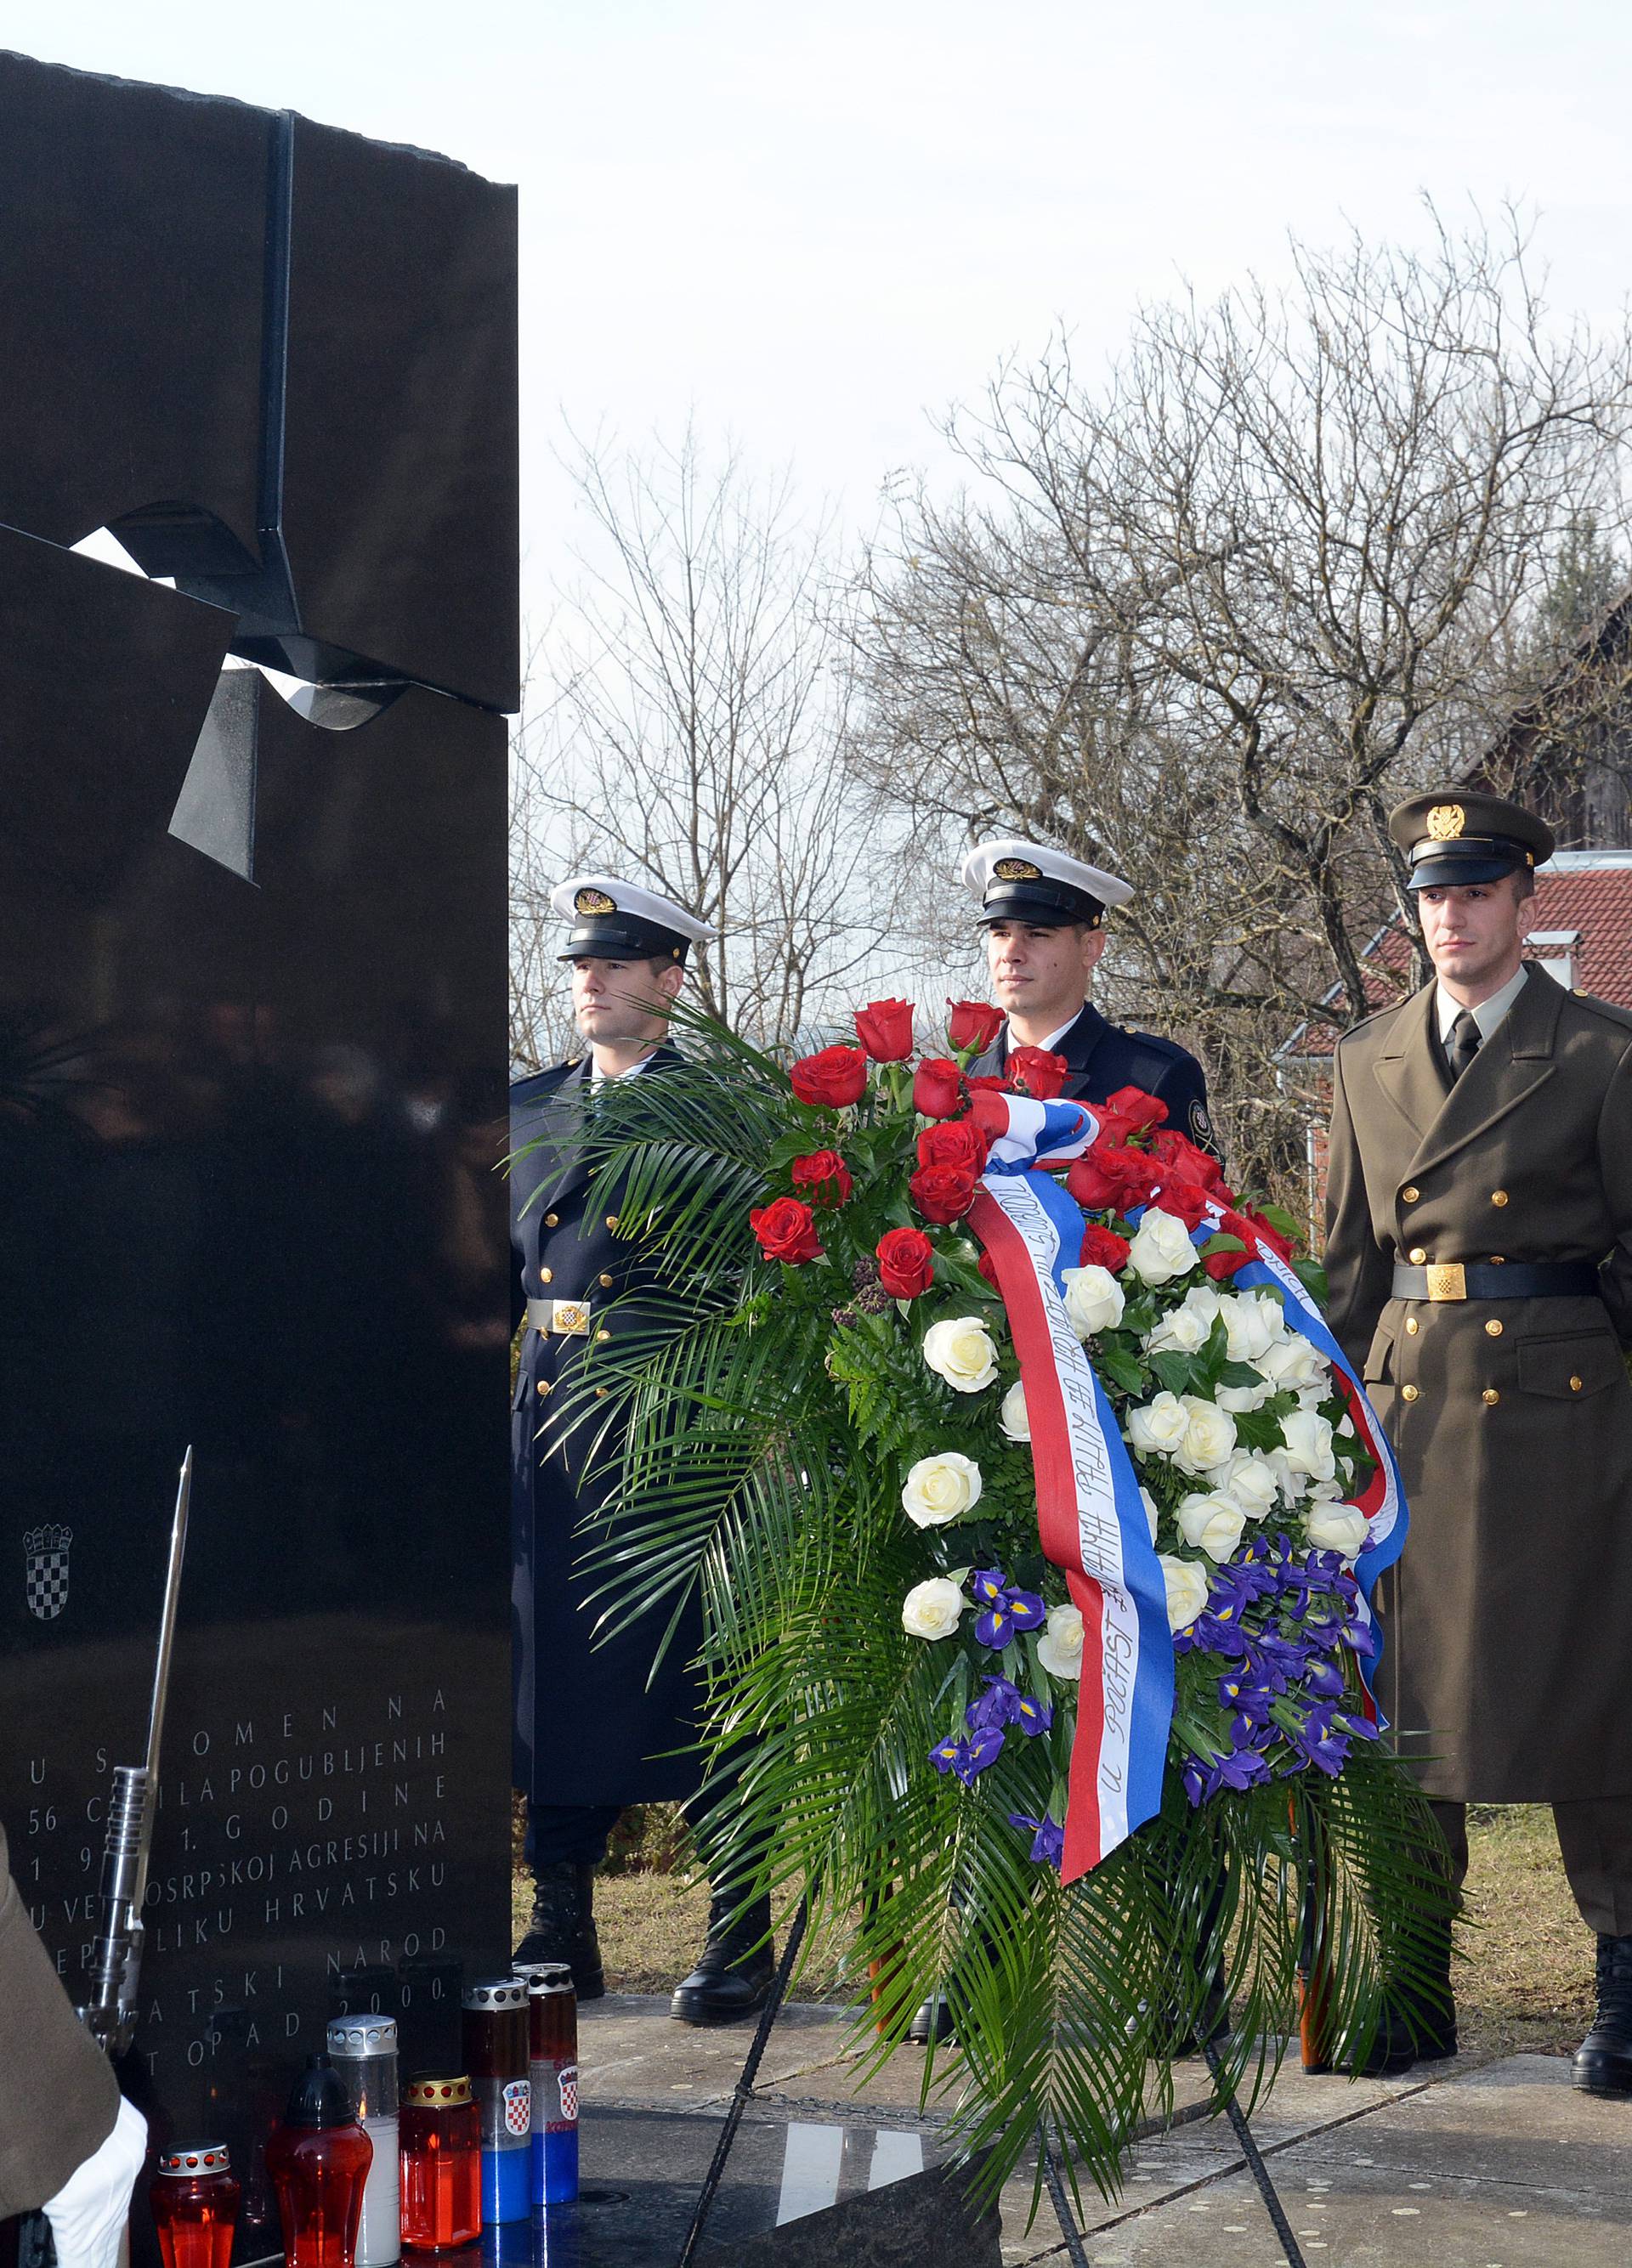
(1031, 881)
(611, 917)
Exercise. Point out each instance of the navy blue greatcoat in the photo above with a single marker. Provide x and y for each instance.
(590, 1728)
(1103, 1056)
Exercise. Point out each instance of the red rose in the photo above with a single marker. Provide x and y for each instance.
(884, 1029)
(787, 1231)
(1178, 1152)
(983, 1264)
(906, 1263)
(988, 1082)
(937, 1088)
(1184, 1200)
(1221, 1266)
(1268, 1233)
(943, 1193)
(1037, 1073)
(1102, 1247)
(955, 1142)
(830, 1078)
(823, 1178)
(1136, 1173)
(1094, 1189)
(1113, 1127)
(1133, 1102)
(972, 1024)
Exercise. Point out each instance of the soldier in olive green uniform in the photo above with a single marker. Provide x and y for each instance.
(1479, 1251)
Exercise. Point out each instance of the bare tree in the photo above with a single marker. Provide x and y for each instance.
(693, 702)
(1206, 618)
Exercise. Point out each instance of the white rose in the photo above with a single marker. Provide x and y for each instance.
(1213, 1523)
(1059, 1649)
(1151, 1513)
(1182, 1330)
(1251, 1482)
(1209, 1436)
(1012, 1416)
(1294, 1486)
(960, 1351)
(1205, 1299)
(1336, 1528)
(930, 1609)
(1308, 1438)
(1157, 1428)
(1292, 1362)
(1252, 1323)
(1093, 1300)
(1245, 1397)
(1331, 1492)
(1160, 1249)
(941, 1488)
(1186, 1590)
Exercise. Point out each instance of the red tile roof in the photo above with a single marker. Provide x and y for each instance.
(1586, 891)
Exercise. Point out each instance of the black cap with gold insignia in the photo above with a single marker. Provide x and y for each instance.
(1033, 882)
(1454, 836)
(614, 920)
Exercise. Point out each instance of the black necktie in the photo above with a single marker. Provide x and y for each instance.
(1463, 1045)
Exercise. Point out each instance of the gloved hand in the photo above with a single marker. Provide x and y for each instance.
(89, 2213)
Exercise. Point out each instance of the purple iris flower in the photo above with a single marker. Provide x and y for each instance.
(1276, 1662)
(966, 1758)
(1319, 1743)
(1008, 1609)
(1239, 1583)
(1250, 1696)
(1242, 1767)
(1360, 1726)
(1201, 1780)
(1048, 1841)
(1361, 1636)
(1033, 1716)
(1256, 1733)
(996, 1706)
(1323, 1679)
(1215, 1636)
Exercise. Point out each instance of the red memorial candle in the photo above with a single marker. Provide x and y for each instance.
(319, 2160)
(194, 2201)
(441, 2167)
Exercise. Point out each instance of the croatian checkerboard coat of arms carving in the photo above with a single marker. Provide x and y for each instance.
(45, 1570)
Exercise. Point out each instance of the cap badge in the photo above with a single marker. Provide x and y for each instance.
(1446, 821)
(593, 901)
(1016, 870)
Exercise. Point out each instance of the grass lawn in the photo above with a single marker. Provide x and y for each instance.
(1525, 1985)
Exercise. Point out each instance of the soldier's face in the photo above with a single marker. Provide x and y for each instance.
(1041, 974)
(614, 1000)
(1473, 932)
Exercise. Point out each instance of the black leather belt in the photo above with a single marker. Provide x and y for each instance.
(1498, 1279)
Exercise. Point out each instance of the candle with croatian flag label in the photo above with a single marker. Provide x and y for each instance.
(552, 2015)
(496, 2056)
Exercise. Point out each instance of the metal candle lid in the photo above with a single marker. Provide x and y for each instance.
(362, 2036)
(548, 1977)
(439, 2093)
(502, 1992)
(194, 2158)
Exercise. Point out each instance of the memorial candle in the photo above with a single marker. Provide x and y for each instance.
(552, 2023)
(441, 2165)
(194, 2201)
(319, 2160)
(362, 2050)
(496, 2055)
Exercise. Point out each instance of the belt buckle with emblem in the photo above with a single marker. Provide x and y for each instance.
(1447, 1279)
(569, 1319)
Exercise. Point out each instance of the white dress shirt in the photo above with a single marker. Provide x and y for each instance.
(1488, 1013)
(1054, 1039)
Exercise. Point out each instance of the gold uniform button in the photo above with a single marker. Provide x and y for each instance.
(612, 1221)
(544, 1386)
(1490, 1396)
(546, 1274)
(603, 1335)
(606, 1283)
(1498, 1197)
(601, 1393)
(1408, 1393)
(1494, 1327)
(1416, 1256)
(1412, 1327)
(552, 1221)
(1410, 1193)
(1575, 1386)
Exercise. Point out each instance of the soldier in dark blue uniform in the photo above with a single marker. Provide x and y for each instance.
(1044, 917)
(595, 1730)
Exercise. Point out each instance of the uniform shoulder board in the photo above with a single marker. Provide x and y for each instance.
(536, 1084)
(1608, 1009)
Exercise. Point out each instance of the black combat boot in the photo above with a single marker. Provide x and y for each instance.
(1419, 2023)
(934, 2019)
(1603, 2062)
(734, 1969)
(562, 1926)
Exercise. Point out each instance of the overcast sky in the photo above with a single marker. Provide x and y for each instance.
(813, 224)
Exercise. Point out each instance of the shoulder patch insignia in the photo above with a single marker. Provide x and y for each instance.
(1446, 822)
(593, 901)
(1016, 870)
(1200, 1123)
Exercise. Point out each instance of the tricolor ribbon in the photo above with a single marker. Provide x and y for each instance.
(1091, 1514)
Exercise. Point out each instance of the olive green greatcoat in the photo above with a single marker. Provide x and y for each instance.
(1507, 1620)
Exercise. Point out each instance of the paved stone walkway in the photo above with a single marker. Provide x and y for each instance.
(1501, 2167)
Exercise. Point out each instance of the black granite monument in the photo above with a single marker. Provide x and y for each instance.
(252, 1062)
